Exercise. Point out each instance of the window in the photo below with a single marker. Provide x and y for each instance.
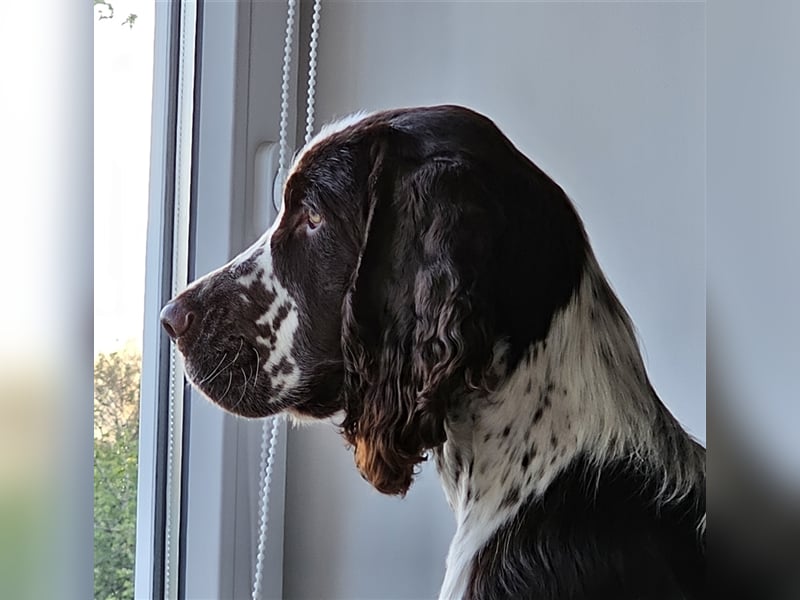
(123, 74)
(177, 505)
(176, 484)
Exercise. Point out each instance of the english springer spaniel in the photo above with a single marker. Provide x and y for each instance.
(432, 285)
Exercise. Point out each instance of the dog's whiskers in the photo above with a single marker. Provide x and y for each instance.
(258, 365)
(244, 388)
(213, 372)
(227, 389)
(230, 364)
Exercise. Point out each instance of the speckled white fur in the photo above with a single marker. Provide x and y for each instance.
(600, 409)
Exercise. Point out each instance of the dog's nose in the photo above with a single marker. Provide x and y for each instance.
(176, 318)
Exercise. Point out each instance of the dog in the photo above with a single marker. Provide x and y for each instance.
(431, 285)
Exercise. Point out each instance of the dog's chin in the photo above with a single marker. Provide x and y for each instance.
(235, 389)
(301, 418)
(256, 402)
(240, 402)
(298, 412)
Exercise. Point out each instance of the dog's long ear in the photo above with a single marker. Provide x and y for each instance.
(416, 323)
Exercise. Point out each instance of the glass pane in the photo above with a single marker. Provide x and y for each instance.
(123, 74)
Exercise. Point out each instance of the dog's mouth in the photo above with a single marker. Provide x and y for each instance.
(239, 377)
(222, 376)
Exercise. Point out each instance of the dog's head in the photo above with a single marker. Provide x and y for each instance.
(410, 244)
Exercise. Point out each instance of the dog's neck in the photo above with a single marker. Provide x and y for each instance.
(500, 449)
(582, 390)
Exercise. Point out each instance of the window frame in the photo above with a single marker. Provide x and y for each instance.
(153, 411)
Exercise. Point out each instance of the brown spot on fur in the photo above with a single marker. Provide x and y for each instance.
(283, 312)
(511, 497)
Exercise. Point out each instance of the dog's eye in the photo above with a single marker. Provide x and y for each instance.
(314, 218)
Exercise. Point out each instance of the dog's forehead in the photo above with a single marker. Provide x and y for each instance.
(324, 134)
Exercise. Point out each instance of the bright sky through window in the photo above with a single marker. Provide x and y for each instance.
(123, 80)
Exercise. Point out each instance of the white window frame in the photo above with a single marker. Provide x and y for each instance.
(150, 496)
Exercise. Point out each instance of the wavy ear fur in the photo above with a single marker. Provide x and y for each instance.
(411, 340)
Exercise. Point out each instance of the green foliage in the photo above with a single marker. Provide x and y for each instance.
(116, 443)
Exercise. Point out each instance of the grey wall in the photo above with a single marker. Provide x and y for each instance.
(609, 99)
(753, 244)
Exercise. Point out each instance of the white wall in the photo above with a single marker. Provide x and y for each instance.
(609, 99)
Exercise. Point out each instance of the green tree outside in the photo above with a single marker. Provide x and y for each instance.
(116, 445)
